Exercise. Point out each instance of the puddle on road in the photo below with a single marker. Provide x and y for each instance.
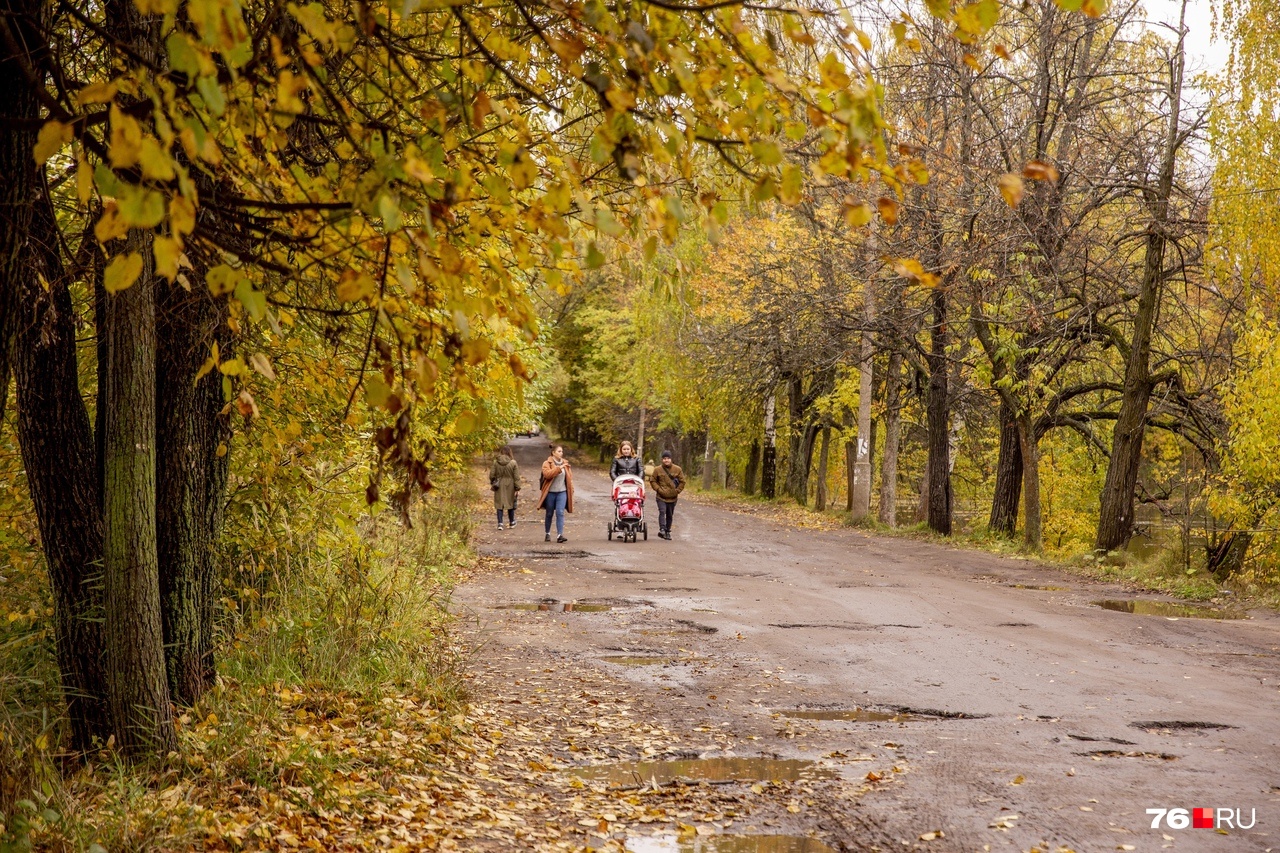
(1170, 726)
(1167, 609)
(854, 715)
(639, 773)
(637, 660)
(553, 555)
(1037, 586)
(557, 607)
(1100, 754)
(670, 843)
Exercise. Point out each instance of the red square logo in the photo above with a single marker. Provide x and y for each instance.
(1202, 819)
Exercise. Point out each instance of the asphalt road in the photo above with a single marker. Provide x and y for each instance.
(1070, 721)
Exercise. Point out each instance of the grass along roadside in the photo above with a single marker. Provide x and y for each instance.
(1160, 570)
(339, 694)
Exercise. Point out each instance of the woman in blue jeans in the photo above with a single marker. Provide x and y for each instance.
(557, 491)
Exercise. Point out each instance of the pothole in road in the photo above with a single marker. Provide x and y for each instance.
(669, 843)
(1088, 739)
(670, 589)
(1167, 608)
(1100, 754)
(637, 660)
(553, 555)
(1038, 586)
(1171, 726)
(1015, 625)
(690, 625)
(835, 626)
(625, 572)
(590, 606)
(712, 770)
(882, 714)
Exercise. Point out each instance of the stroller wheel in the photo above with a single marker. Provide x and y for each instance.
(611, 533)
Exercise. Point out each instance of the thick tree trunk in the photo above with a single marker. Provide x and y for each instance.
(753, 469)
(191, 484)
(1008, 489)
(60, 460)
(1032, 533)
(939, 482)
(769, 457)
(892, 439)
(820, 501)
(1115, 517)
(137, 688)
(808, 446)
(795, 444)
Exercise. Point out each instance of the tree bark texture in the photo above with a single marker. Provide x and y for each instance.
(769, 456)
(888, 513)
(939, 482)
(753, 469)
(137, 687)
(60, 460)
(1032, 530)
(820, 500)
(1008, 488)
(1115, 517)
(795, 443)
(191, 482)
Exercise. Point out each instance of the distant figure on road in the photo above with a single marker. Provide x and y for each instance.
(668, 483)
(557, 491)
(626, 462)
(504, 479)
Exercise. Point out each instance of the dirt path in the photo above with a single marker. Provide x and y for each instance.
(1044, 721)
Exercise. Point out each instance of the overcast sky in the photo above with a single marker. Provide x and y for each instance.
(1203, 52)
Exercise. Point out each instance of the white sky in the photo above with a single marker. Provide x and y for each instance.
(1204, 53)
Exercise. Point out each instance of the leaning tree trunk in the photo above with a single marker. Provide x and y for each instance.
(820, 501)
(137, 687)
(1226, 556)
(191, 483)
(892, 439)
(939, 468)
(1008, 489)
(60, 461)
(1115, 518)
(769, 456)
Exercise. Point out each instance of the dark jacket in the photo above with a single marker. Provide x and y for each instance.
(626, 465)
(668, 482)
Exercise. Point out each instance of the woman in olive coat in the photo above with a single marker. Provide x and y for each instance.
(504, 479)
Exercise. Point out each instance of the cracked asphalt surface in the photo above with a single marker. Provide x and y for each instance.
(1055, 723)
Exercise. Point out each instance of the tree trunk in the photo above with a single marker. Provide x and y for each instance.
(850, 455)
(1115, 517)
(137, 687)
(892, 440)
(862, 456)
(640, 435)
(769, 457)
(808, 445)
(795, 443)
(1032, 532)
(753, 469)
(60, 461)
(820, 502)
(1225, 557)
(939, 482)
(191, 483)
(1008, 490)
(707, 469)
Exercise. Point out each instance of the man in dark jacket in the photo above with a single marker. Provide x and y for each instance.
(668, 483)
(626, 462)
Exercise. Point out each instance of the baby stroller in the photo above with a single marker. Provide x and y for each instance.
(628, 509)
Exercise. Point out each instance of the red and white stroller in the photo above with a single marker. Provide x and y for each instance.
(628, 509)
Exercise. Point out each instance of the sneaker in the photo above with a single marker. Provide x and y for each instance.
(559, 538)
(513, 523)
(500, 527)
(548, 539)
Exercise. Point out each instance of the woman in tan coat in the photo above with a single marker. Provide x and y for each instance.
(557, 491)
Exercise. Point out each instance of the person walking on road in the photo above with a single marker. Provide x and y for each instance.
(668, 483)
(557, 491)
(626, 462)
(504, 479)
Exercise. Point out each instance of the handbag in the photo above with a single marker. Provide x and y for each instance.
(493, 483)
